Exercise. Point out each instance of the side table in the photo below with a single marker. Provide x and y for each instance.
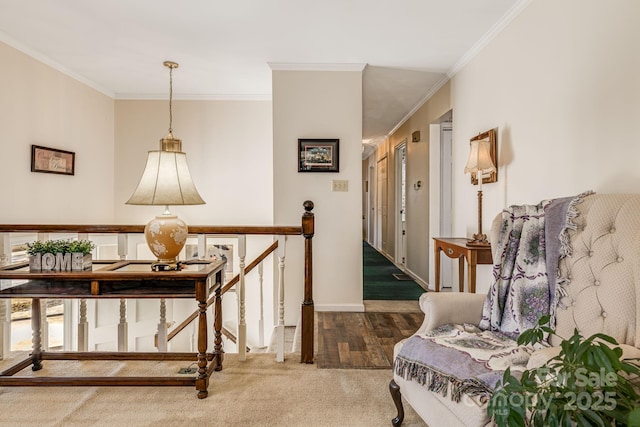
(456, 247)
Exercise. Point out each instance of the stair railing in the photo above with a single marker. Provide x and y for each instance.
(83, 231)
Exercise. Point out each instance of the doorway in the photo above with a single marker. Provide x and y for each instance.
(440, 191)
(401, 204)
(382, 205)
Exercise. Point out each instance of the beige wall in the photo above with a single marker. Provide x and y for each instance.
(561, 84)
(228, 146)
(321, 104)
(42, 106)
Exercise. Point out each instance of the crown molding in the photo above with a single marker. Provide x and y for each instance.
(193, 97)
(282, 66)
(5, 38)
(511, 14)
(497, 28)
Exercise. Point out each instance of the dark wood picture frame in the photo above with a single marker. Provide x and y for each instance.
(52, 160)
(493, 176)
(318, 155)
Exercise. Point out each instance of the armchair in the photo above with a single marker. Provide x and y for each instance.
(594, 287)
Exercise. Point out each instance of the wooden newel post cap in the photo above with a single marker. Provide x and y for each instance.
(308, 205)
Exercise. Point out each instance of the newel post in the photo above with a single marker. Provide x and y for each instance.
(306, 355)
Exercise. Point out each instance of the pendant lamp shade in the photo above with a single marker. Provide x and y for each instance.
(166, 181)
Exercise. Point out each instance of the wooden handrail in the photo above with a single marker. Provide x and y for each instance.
(225, 289)
(306, 230)
(124, 228)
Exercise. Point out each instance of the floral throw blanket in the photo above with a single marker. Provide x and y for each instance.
(479, 360)
(520, 293)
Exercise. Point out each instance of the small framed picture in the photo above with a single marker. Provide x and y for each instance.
(52, 160)
(318, 155)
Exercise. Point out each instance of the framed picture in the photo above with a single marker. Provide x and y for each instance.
(52, 160)
(318, 155)
(490, 136)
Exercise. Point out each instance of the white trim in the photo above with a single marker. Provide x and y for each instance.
(282, 66)
(436, 87)
(511, 14)
(515, 10)
(195, 97)
(5, 38)
(358, 308)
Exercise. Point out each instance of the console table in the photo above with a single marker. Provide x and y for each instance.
(455, 247)
(119, 279)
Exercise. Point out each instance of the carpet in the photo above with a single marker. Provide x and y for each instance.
(379, 282)
(257, 392)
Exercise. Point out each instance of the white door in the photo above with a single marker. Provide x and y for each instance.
(401, 203)
(446, 263)
(382, 205)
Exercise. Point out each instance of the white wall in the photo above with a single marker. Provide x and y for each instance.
(321, 104)
(561, 84)
(42, 106)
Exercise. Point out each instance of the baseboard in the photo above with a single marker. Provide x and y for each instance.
(358, 308)
(424, 285)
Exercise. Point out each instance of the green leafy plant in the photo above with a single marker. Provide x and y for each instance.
(60, 246)
(587, 383)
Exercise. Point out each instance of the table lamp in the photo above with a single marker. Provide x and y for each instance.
(479, 162)
(166, 181)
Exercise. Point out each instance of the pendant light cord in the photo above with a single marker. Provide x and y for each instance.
(170, 99)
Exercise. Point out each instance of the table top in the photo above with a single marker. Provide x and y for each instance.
(116, 279)
(460, 241)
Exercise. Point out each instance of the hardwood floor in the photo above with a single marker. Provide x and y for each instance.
(362, 340)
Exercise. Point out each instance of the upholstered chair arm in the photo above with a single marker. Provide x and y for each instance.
(441, 308)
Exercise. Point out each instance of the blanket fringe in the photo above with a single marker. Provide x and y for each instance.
(439, 382)
(566, 250)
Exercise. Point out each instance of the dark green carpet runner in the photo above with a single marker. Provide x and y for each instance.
(379, 282)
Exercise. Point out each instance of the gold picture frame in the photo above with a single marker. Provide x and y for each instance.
(491, 136)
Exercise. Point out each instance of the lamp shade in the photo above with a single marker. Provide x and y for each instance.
(479, 157)
(166, 181)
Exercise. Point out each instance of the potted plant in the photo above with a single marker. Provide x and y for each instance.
(587, 383)
(60, 255)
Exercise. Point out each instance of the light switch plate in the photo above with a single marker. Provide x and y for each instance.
(340, 185)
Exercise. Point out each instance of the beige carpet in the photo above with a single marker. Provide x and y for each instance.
(258, 392)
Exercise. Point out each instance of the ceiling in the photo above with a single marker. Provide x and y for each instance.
(225, 47)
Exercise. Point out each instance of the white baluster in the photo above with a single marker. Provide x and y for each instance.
(261, 320)
(242, 324)
(123, 245)
(5, 249)
(5, 328)
(280, 328)
(202, 246)
(162, 327)
(44, 336)
(5, 304)
(123, 327)
(45, 324)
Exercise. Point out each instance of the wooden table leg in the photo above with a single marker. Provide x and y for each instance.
(461, 274)
(472, 261)
(217, 326)
(36, 330)
(436, 263)
(202, 381)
